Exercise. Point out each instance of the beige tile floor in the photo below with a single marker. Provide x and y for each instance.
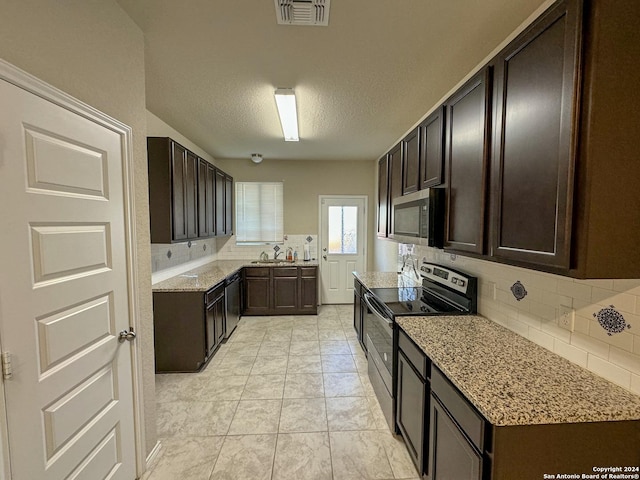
(285, 398)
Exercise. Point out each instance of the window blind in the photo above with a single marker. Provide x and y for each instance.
(259, 212)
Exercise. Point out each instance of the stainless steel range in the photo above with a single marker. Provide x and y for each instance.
(444, 291)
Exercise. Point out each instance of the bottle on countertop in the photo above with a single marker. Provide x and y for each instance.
(295, 255)
(289, 254)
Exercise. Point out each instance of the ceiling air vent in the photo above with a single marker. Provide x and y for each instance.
(303, 12)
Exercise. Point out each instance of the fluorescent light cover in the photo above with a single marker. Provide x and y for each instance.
(286, 103)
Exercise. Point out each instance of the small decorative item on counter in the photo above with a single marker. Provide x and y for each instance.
(289, 254)
(295, 255)
(307, 253)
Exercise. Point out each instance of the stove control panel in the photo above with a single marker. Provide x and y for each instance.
(450, 278)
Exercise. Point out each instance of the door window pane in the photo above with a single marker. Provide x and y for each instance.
(343, 228)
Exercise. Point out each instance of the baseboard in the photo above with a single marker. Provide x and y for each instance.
(152, 459)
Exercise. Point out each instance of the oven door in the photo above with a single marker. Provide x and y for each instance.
(379, 337)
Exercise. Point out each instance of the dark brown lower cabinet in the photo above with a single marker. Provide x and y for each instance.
(452, 456)
(280, 290)
(257, 288)
(188, 328)
(285, 289)
(411, 411)
(463, 445)
(359, 310)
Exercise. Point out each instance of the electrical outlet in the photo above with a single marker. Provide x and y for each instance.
(567, 318)
(493, 290)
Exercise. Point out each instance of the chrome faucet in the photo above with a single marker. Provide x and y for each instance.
(275, 255)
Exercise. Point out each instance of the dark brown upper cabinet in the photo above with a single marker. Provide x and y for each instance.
(411, 162)
(533, 148)
(172, 191)
(206, 198)
(383, 197)
(224, 204)
(432, 149)
(228, 205)
(184, 201)
(395, 179)
(467, 156)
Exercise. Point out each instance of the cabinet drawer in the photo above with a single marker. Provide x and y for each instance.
(285, 271)
(256, 271)
(214, 293)
(417, 358)
(308, 271)
(459, 407)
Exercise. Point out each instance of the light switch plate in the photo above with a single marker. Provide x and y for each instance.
(566, 318)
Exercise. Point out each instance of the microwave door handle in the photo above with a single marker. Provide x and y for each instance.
(369, 300)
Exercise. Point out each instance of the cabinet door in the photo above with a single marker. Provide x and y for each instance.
(533, 154)
(432, 149)
(395, 180)
(308, 290)
(450, 453)
(219, 308)
(383, 197)
(178, 206)
(206, 190)
(220, 202)
(285, 294)
(467, 164)
(228, 205)
(257, 291)
(191, 194)
(395, 170)
(411, 162)
(411, 411)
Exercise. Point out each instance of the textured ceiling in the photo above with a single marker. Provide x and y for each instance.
(361, 83)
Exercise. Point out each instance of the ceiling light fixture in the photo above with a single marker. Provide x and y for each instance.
(286, 103)
(256, 158)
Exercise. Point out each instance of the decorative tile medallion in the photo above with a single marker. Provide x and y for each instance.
(611, 320)
(276, 248)
(518, 290)
(309, 239)
(169, 253)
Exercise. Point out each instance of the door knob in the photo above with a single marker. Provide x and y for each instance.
(126, 335)
(325, 257)
(324, 249)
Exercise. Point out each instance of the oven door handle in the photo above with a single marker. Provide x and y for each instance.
(369, 299)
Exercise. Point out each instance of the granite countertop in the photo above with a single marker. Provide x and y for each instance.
(203, 278)
(513, 381)
(386, 280)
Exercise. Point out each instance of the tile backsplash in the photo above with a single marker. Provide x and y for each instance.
(606, 336)
(228, 250)
(164, 256)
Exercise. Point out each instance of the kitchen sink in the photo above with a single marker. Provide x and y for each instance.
(272, 260)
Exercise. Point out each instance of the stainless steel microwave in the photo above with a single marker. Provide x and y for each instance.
(419, 218)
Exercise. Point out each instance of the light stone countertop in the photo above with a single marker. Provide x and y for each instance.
(513, 381)
(203, 278)
(509, 379)
(386, 280)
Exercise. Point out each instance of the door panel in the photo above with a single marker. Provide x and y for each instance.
(342, 244)
(70, 401)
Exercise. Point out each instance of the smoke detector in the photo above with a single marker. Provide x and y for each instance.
(303, 12)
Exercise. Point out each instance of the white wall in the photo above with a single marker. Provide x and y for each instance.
(615, 357)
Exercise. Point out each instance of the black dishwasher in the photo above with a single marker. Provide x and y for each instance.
(232, 300)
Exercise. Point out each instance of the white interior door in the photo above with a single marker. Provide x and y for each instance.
(64, 293)
(342, 245)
